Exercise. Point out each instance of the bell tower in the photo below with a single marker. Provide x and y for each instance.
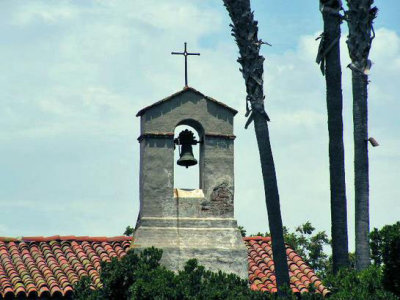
(195, 223)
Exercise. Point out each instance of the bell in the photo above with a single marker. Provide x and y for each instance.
(186, 140)
(187, 159)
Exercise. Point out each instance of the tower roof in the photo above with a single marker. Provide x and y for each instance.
(184, 90)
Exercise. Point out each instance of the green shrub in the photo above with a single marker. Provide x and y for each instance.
(385, 250)
(140, 276)
(364, 285)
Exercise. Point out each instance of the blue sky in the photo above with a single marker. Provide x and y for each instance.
(74, 74)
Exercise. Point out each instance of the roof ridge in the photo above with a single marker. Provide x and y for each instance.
(257, 238)
(66, 238)
(186, 88)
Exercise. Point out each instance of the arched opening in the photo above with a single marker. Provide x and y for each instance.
(188, 178)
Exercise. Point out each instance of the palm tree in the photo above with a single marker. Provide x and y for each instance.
(244, 29)
(329, 59)
(359, 18)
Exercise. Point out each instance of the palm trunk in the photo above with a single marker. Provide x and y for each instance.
(360, 17)
(361, 180)
(272, 200)
(330, 45)
(245, 30)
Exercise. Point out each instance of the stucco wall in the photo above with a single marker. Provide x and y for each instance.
(189, 226)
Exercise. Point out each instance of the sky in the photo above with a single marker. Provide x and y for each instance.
(75, 73)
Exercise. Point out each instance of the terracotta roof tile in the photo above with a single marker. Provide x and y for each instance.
(261, 268)
(50, 266)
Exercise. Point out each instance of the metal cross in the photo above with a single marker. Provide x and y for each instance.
(185, 53)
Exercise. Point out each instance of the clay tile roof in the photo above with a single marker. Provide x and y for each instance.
(185, 89)
(261, 268)
(43, 267)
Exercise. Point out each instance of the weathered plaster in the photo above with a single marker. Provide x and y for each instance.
(187, 225)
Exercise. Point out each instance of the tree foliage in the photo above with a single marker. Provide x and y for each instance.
(309, 245)
(385, 250)
(129, 231)
(243, 231)
(364, 285)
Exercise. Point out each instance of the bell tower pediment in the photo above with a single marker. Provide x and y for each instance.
(166, 114)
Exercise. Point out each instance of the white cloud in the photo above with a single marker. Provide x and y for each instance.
(386, 46)
(300, 118)
(47, 12)
(175, 16)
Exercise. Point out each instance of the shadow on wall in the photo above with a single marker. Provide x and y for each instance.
(219, 113)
